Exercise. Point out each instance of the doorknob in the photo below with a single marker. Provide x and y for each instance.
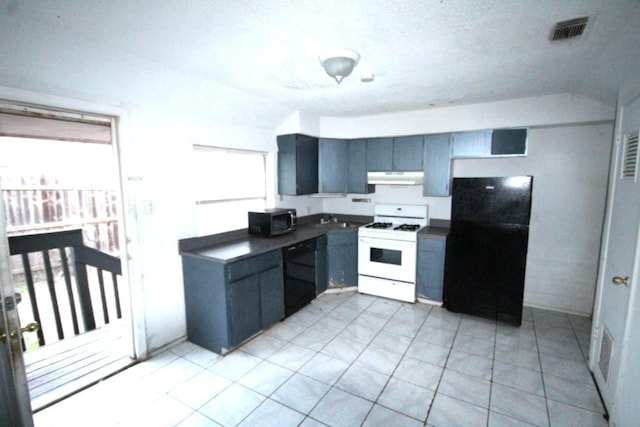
(618, 280)
(31, 327)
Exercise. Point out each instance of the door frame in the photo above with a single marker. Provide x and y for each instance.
(127, 212)
(16, 384)
(634, 295)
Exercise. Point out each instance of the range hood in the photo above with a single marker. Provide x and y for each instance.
(395, 178)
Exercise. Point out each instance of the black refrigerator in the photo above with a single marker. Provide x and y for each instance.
(486, 252)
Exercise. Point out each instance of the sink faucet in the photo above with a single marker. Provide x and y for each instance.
(330, 220)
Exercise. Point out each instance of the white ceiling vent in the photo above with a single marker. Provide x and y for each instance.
(630, 160)
(569, 29)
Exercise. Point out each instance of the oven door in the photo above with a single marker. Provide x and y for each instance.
(387, 259)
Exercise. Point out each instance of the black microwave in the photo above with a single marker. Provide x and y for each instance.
(272, 222)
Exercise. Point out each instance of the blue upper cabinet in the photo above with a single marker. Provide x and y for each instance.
(475, 144)
(357, 168)
(402, 154)
(297, 164)
(509, 142)
(379, 154)
(407, 153)
(437, 165)
(333, 164)
(489, 143)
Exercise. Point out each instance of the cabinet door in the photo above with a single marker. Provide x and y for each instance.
(244, 309)
(437, 165)
(407, 154)
(272, 296)
(357, 168)
(379, 154)
(297, 164)
(509, 142)
(430, 274)
(342, 265)
(306, 165)
(287, 164)
(321, 265)
(332, 165)
(475, 144)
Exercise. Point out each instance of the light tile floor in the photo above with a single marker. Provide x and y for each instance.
(356, 360)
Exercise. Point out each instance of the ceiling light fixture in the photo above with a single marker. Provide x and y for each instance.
(339, 63)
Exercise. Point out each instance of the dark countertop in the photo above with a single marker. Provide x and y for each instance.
(249, 246)
(241, 245)
(432, 232)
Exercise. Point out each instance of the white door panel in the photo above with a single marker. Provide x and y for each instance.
(617, 278)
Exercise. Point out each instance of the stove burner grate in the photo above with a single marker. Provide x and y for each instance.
(407, 227)
(379, 225)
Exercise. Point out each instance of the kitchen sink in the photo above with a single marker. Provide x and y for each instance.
(338, 225)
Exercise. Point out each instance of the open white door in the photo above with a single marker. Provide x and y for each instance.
(15, 406)
(618, 278)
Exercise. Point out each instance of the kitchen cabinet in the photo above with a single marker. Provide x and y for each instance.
(342, 258)
(333, 165)
(379, 154)
(407, 153)
(297, 164)
(430, 270)
(357, 167)
(243, 303)
(402, 154)
(474, 144)
(437, 165)
(271, 296)
(228, 303)
(489, 143)
(321, 264)
(509, 142)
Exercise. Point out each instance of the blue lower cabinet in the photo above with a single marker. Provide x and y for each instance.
(271, 296)
(321, 264)
(228, 303)
(430, 274)
(243, 303)
(342, 258)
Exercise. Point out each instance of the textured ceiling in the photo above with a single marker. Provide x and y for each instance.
(422, 52)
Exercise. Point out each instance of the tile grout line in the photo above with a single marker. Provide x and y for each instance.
(491, 381)
(544, 387)
(396, 367)
(331, 386)
(435, 393)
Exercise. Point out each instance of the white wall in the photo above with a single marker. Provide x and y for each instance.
(159, 151)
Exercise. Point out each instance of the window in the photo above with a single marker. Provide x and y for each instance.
(228, 184)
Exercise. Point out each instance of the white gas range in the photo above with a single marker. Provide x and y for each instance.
(387, 251)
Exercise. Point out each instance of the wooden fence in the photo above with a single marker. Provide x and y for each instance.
(40, 206)
(46, 207)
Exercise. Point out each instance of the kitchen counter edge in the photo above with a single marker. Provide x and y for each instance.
(237, 245)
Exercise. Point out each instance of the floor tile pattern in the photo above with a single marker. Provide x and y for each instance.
(357, 360)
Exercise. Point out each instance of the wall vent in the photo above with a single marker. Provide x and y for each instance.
(606, 350)
(630, 159)
(569, 29)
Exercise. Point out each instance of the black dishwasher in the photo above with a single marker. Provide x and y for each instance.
(299, 275)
